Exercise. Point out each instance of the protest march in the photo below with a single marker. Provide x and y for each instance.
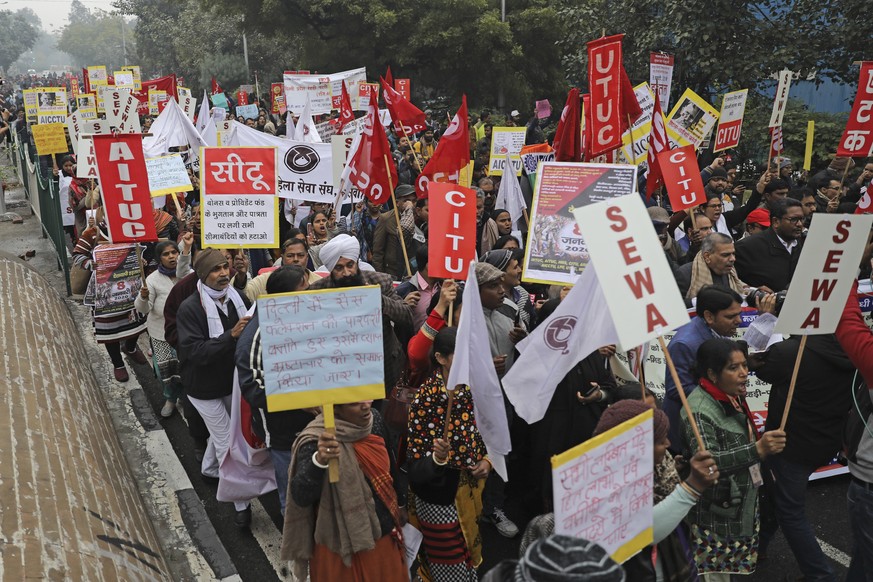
(403, 323)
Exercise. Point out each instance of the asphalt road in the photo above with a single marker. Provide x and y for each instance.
(255, 552)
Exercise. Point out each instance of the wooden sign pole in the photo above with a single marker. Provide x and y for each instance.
(682, 396)
(793, 382)
(330, 428)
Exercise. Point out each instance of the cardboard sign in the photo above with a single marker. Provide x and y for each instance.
(31, 104)
(452, 230)
(124, 183)
(404, 87)
(340, 145)
(642, 294)
(821, 282)
(322, 347)
(781, 99)
(137, 76)
(682, 178)
(367, 91)
(86, 106)
(156, 97)
(239, 205)
(52, 105)
(50, 138)
(247, 111)
(74, 129)
(691, 120)
(604, 74)
(97, 76)
(506, 140)
(117, 278)
(167, 175)
(121, 111)
(189, 106)
(661, 77)
(68, 216)
(635, 141)
(556, 252)
(603, 488)
(74, 86)
(730, 120)
(124, 80)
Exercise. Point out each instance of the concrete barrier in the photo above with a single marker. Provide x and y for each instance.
(69, 506)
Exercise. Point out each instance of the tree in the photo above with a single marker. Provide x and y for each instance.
(94, 38)
(17, 35)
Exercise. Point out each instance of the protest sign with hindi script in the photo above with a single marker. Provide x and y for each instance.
(555, 252)
(506, 140)
(691, 120)
(324, 91)
(322, 347)
(824, 274)
(31, 104)
(50, 138)
(857, 139)
(125, 188)
(52, 105)
(642, 295)
(661, 76)
(97, 76)
(730, 120)
(603, 488)
(167, 175)
(117, 279)
(247, 111)
(239, 207)
(452, 230)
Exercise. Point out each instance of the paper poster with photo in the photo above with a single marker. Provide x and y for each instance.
(506, 140)
(137, 76)
(86, 106)
(117, 278)
(603, 488)
(156, 98)
(97, 76)
(322, 347)
(239, 207)
(556, 251)
(31, 104)
(124, 80)
(167, 175)
(691, 120)
(52, 105)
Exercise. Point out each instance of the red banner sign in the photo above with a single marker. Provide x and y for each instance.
(124, 181)
(452, 234)
(682, 178)
(278, 93)
(74, 86)
(242, 98)
(403, 87)
(244, 170)
(604, 74)
(857, 140)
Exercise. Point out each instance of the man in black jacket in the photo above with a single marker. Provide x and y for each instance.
(822, 399)
(208, 325)
(770, 257)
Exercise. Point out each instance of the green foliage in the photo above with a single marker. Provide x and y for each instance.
(230, 70)
(17, 35)
(96, 38)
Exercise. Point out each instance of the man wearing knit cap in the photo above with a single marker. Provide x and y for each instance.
(559, 558)
(208, 323)
(340, 256)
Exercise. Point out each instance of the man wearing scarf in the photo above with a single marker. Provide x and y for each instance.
(340, 258)
(208, 323)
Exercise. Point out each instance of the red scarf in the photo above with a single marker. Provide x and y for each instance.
(739, 404)
(373, 459)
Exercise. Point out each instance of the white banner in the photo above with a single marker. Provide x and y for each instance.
(323, 90)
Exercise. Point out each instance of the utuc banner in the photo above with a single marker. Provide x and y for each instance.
(604, 80)
(124, 180)
(691, 120)
(856, 140)
(730, 120)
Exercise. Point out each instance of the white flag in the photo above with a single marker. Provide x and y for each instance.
(579, 325)
(172, 128)
(290, 130)
(210, 133)
(204, 115)
(509, 196)
(472, 365)
(305, 130)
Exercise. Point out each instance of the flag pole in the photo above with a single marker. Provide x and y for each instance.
(397, 218)
(681, 392)
(793, 382)
(406, 135)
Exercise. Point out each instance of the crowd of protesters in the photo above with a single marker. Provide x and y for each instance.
(716, 509)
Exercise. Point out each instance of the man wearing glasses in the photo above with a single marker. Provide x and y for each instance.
(828, 197)
(770, 257)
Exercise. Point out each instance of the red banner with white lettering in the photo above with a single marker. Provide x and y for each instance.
(604, 81)
(452, 233)
(682, 177)
(242, 98)
(124, 180)
(857, 139)
(404, 87)
(239, 171)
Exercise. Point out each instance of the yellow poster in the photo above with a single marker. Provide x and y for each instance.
(691, 120)
(50, 138)
(31, 104)
(97, 76)
(137, 78)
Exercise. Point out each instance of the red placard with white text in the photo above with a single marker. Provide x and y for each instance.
(682, 178)
(857, 139)
(124, 182)
(604, 81)
(238, 190)
(730, 120)
(452, 234)
(403, 87)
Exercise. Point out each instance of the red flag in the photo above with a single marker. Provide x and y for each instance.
(858, 136)
(389, 78)
(568, 137)
(406, 117)
(128, 204)
(657, 143)
(216, 88)
(586, 129)
(682, 177)
(370, 170)
(604, 79)
(452, 230)
(630, 107)
(86, 82)
(452, 153)
(346, 114)
(865, 204)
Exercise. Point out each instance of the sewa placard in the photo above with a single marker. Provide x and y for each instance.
(555, 252)
(322, 347)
